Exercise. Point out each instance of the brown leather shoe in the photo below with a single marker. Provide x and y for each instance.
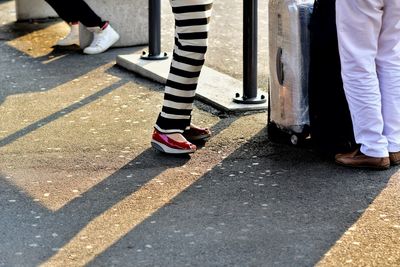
(394, 158)
(357, 159)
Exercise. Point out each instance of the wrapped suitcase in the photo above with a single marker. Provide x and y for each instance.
(289, 45)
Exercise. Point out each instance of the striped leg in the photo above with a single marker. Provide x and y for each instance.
(191, 34)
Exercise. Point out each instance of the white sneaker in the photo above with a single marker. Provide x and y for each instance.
(102, 40)
(72, 38)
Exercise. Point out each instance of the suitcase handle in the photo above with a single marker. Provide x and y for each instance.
(279, 66)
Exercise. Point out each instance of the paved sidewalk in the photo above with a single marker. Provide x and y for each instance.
(80, 184)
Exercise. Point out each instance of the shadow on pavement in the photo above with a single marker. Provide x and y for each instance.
(34, 233)
(43, 122)
(23, 74)
(264, 205)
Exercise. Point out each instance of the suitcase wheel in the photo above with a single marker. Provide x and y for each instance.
(294, 139)
(300, 139)
(275, 134)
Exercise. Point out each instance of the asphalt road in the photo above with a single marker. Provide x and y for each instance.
(80, 184)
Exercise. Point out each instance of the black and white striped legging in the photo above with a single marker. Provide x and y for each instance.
(191, 34)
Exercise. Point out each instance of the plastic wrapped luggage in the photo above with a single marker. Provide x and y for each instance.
(289, 45)
(331, 125)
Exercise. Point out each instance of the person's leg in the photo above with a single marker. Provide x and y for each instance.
(388, 68)
(359, 24)
(76, 10)
(104, 36)
(86, 15)
(72, 11)
(65, 10)
(191, 35)
(73, 36)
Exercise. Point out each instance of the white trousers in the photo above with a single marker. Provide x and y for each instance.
(369, 45)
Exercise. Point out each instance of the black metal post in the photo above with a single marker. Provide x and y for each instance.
(154, 32)
(250, 47)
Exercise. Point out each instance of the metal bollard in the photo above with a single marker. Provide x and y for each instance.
(154, 33)
(250, 47)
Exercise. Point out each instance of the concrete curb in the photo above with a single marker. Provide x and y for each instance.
(215, 88)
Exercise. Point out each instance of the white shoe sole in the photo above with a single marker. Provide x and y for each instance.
(166, 149)
(67, 44)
